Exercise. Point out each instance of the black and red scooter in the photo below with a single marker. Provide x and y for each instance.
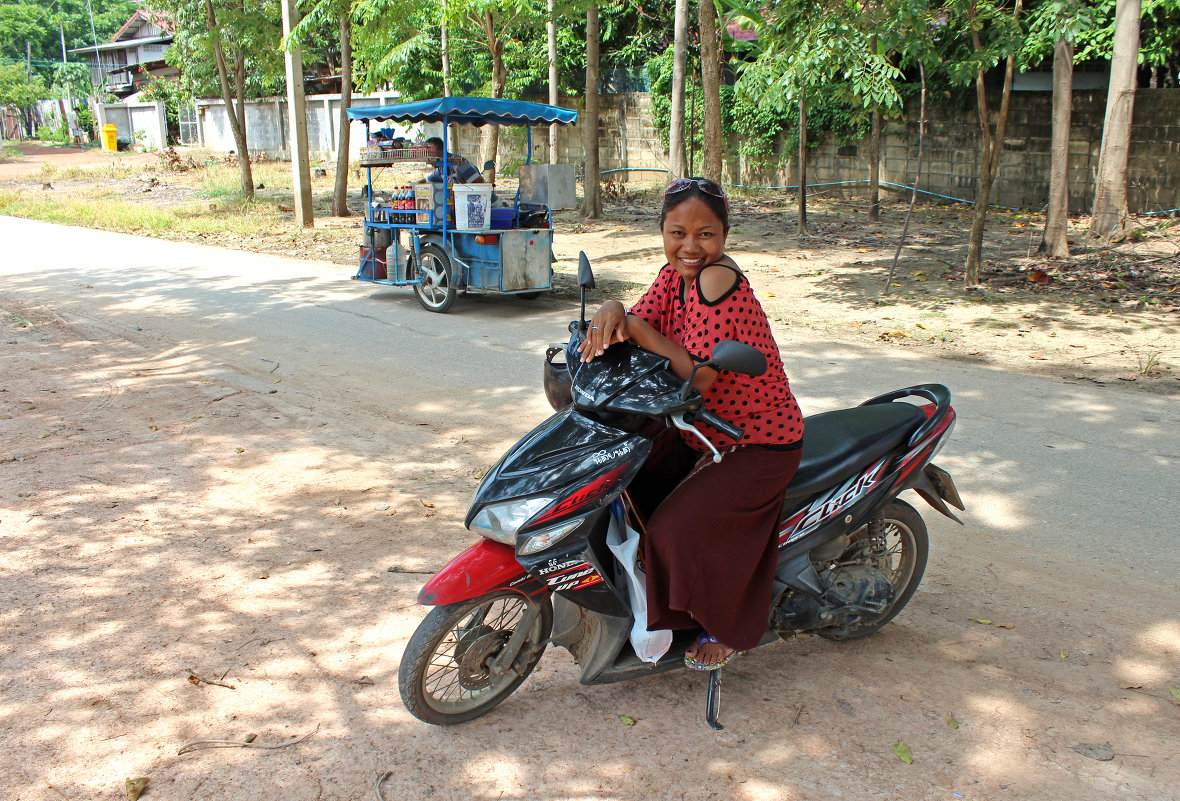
(851, 554)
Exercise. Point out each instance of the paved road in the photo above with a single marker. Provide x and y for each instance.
(1071, 470)
(1070, 538)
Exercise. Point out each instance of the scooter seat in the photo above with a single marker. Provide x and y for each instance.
(836, 445)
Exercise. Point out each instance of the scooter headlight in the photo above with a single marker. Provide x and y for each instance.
(501, 521)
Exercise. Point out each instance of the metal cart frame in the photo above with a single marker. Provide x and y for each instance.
(439, 259)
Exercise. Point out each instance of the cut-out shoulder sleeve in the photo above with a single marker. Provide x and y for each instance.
(716, 282)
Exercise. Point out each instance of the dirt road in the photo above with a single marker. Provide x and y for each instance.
(216, 528)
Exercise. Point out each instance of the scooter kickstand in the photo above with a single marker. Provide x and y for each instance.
(713, 700)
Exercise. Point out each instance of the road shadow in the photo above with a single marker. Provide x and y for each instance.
(183, 514)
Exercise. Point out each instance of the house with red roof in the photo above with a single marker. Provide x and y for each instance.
(134, 56)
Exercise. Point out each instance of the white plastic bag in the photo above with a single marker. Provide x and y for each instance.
(623, 542)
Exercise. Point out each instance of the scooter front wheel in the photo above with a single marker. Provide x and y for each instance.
(448, 672)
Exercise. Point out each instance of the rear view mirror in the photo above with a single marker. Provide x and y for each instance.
(585, 274)
(738, 358)
(489, 165)
(585, 281)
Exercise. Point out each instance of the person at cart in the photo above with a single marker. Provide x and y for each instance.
(459, 169)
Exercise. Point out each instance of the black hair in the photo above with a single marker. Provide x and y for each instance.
(716, 202)
(435, 141)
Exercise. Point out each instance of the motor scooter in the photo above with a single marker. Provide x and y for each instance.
(851, 553)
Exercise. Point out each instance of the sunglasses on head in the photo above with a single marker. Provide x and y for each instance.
(704, 184)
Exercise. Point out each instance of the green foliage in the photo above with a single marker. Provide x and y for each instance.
(17, 90)
(762, 130)
(1159, 32)
(59, 133)
(43, 24)
(396, 44)
(251, 30)
(659, 81)
(632, 32)
(808, 43)
(171, 93)
(85, 120)
(71, 79)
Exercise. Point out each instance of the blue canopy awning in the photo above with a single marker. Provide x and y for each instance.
(468, 110)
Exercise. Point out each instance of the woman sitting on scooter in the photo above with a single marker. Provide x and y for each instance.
(710, 549)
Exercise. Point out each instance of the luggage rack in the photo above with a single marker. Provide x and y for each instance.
(381, 155)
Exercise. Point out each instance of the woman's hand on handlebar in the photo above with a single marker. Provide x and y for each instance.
(607, 327)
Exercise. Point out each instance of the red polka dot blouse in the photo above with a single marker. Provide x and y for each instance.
(764, 406)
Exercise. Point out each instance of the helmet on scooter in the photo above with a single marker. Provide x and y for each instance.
(557, 380)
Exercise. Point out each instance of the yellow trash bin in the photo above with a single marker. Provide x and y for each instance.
(109, 133)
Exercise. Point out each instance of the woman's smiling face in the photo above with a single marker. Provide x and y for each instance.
(694, 237)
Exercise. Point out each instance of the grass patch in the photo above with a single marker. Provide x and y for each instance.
(9, 154)
(110, 214)
(115, 170)
(224, 181)
(116, 215)
(993, 323)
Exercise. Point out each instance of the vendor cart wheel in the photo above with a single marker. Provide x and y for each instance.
(436, 293)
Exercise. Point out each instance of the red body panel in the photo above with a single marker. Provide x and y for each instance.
(485, 566)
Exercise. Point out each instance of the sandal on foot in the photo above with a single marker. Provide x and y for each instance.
(704, 638)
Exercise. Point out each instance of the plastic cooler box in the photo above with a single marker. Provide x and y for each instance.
(473, 205)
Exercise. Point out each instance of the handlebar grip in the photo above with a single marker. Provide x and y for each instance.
(724, 426)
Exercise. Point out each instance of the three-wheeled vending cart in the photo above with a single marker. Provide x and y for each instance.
(460, 236)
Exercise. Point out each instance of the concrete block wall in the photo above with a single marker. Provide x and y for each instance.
(630, 149)
(953, 147)
(629, 145)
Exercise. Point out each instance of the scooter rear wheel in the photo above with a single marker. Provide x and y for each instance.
(907, 547)
(445, 675)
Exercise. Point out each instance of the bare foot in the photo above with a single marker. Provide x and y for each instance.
(708, 651)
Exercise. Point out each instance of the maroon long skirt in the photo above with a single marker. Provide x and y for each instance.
(711, 546)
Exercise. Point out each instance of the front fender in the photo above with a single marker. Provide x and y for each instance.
(484, 567)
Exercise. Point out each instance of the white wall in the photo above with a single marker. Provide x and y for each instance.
(128, 118)
(267, 129)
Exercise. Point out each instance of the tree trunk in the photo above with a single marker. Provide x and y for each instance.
(905, 229)
(491, 140)
(989, 162)
(875, 167)
(340, 191)
(235, 120)
(802, 162)
(553, 87)
(1055, 243)
(592, 201)
(676, 152)
(1110, 189)
(711, 154)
